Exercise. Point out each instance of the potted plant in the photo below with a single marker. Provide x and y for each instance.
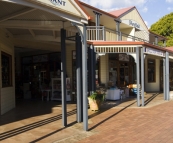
(95, 100)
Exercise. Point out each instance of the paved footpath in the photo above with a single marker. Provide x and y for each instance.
(119, 124)
(133, 125)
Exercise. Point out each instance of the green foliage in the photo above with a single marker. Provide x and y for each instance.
(97, 96)
(164, 27)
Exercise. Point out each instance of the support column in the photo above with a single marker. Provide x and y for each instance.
(97, 21)
(137, 75)
(142, 75)
(84, 74)
(164, 79)
(92, 68)
(84, 84)
(119, 36)
(63, 77)
(78, 78)
(89, 70)
(156, 40)
(167, 76)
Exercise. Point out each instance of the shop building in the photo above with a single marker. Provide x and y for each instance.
(30, 45)
(39, 43)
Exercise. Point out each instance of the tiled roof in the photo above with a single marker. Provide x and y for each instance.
(169, 48)
(120, 11)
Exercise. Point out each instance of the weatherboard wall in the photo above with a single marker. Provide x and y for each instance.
(134, 15)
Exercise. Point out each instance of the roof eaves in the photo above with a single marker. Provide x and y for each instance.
(158, 35)
(98, 10)
(131, 10)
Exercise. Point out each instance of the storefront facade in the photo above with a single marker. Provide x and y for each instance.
(30, 45)
(32, 41)
(122, 34)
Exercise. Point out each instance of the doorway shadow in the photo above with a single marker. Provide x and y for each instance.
(34, 125)
(27, 109)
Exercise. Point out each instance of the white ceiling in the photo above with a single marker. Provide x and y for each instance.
(24, 24)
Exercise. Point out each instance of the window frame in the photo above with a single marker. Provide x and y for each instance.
(10, 83)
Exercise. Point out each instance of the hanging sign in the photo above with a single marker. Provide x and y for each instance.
(154, 52)
(58, 2)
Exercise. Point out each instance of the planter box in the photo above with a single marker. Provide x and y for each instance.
(94, 104)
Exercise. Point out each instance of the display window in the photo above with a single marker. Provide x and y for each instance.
(121, 67)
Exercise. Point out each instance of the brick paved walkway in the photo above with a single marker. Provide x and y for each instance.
(133, 125)
(117, 122)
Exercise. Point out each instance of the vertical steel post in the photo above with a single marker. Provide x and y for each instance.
(92, 68)
(98, 24)
(63, 77)
(104, 34)
(89, 70)
(137, 75)
(120, 36)
(78, 78)
(167, 76)
(164, 79)
(84, 76)
(156, 40)
(142, 75)
(118, 30)
(96, 21)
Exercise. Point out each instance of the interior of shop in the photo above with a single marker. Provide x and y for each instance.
(121, 70)
(34, 72)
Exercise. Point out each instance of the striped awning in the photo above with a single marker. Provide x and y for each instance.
(115, 49)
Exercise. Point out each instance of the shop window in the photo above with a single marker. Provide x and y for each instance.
(151, 70)
(6, 64)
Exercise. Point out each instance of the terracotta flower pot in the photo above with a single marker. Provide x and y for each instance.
(94, 104)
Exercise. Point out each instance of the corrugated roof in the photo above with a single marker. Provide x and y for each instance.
(119, 12)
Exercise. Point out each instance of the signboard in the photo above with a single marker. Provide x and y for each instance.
(67, 6)
(154, 52)
(58, 2)
(132, 23)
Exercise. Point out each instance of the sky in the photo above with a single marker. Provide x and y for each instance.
(150, 10)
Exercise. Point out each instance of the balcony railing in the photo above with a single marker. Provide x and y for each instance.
(95, 33)
(100, 33)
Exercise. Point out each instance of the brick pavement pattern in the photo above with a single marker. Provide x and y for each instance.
(133, 125)
(116, 123)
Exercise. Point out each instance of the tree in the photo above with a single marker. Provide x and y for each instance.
(164, 27)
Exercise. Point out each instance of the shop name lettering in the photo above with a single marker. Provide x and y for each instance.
(154, 52)
(134, 24)
(58, 2)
